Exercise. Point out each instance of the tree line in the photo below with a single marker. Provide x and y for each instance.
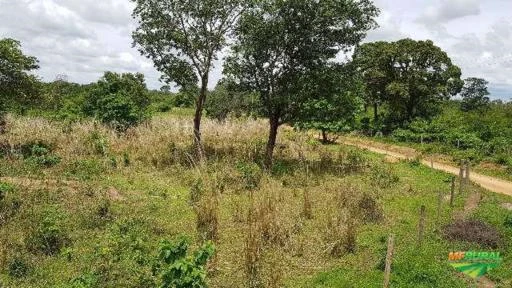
(280, 64)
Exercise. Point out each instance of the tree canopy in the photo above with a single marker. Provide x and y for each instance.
(16, 84)
(335, 100)
(411, 77)
(474, 94)
(279, 44)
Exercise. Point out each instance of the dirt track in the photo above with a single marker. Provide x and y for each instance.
(487, 182)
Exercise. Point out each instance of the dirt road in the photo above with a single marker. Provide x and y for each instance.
(487, 182)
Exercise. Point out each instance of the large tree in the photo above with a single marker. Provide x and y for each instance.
(412, 77)
(334, 95)
(17, 86)
(280, 43)
(474, 94)
(183, 38)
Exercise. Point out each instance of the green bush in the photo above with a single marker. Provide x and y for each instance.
(383, 176)
(251, 175)
(18, 267)
(119, 100)
(50, 236)
(176, 269)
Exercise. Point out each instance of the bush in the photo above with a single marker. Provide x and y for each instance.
(473, 231)
(383, 176)
(119, 100)
(18, 268)
(49, 237)
(177, 269)
(251, 175)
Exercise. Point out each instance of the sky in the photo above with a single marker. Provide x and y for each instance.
(83, 38)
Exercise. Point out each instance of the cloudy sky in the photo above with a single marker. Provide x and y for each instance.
(84, 38)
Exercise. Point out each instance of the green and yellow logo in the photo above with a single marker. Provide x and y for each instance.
(474, 264)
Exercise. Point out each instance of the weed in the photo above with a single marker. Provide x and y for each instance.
(97, 142)
(176, 269)
(307, 210)
(253, 253)
(369, 210)
(18, 267)
(383, 176)
(207, 212)
(196, 191)
(49, 237)
(126, 159)
(251, 175)
(508, 221)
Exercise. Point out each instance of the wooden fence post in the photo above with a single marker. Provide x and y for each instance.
(461, 177)
(452, 192)
(467, 166)
(439, 207)
(421, 226)
(389, 260)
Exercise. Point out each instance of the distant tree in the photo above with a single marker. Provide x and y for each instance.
(412, 77)
(17, 86)
(227, 99)
(279, 43)
(374, 61)
(335, 95)
(183, 38)
(474, 94)
(165, 89)
(118, 100)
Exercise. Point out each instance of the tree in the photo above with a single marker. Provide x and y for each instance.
(335, 101)
(279, 43)
(474, 94)
(118, 100)
(412, 77)
(17, 86)
(183, 38)
(227, 99)
(373, 61)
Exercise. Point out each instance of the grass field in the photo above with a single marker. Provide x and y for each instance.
(84, 207)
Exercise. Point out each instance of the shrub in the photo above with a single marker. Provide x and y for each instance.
(98, 143)
(369, 209)
(176, 269)
(508, 221)
(4, 189)
(18, 267)
(49, 237)
(251, 175)
(383, 176)
(118, 100)
(473, 231)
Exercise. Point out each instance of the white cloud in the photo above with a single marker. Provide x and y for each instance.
(84, 38)
(443, 11)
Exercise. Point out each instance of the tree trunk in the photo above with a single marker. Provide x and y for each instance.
(375, 112)
(3, 123)
(325, 139)
(198, 116)
(272, 135)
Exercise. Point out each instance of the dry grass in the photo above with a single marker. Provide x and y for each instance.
(292, 220)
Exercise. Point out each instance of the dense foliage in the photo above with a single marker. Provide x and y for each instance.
(279, 45)
(119, 100)
(411, 77)
(17, 86)
(466, 135)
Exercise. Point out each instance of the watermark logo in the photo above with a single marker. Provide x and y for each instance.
(474, 264)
